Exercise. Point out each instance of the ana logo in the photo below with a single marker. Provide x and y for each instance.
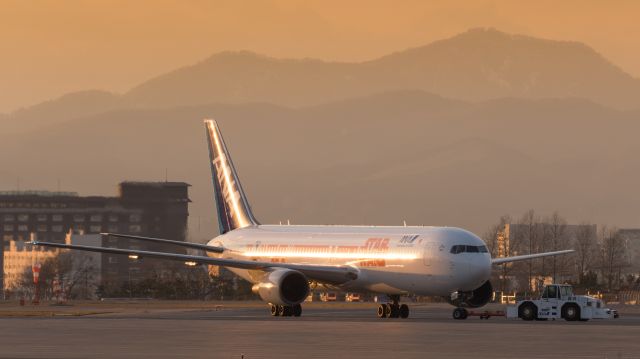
(228, 186)
(408, 239)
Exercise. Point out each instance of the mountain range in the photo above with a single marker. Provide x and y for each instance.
(477, 65)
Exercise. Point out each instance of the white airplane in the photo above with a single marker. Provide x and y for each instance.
(285, 262)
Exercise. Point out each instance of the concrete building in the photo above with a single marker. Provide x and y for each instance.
(156, 209)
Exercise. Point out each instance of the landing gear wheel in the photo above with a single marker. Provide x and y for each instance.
(394, 311)
(274, 310)
(287, 311)
(381, 310)
(281, 310)
(460, 313)
(387, 310)
(528, 312)
(404, 311)
(571, 312)
(297, 310)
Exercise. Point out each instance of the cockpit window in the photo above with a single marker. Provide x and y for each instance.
(459, 248)
(472, 249)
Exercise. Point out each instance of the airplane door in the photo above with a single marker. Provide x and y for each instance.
(429, 253)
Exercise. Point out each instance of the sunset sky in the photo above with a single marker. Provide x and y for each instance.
(53, 47)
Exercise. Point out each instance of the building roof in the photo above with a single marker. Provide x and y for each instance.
(39, 193)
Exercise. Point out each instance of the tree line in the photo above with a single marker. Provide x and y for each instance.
(601, 262)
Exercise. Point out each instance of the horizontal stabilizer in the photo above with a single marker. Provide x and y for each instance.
(168, 241)
(529, 256)
(320, 273)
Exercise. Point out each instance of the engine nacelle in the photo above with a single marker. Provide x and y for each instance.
(283, 287)
(473, 299)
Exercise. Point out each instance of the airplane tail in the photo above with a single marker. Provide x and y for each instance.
(232, 205)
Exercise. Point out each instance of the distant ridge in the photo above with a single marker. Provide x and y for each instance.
(65, 108)
(477, 65)
(397, 155)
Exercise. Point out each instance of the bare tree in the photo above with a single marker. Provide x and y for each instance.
(557, 227)
(611, 256)
(530, 222)
(499, 243)
(585, 245)
(494, 237)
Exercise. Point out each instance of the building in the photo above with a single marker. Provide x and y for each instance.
(18, 261)
(631, 237)
(156, 209)
(84, 272)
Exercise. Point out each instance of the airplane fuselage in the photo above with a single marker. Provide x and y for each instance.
(390, 260)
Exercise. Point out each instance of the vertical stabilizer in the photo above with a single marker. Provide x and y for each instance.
(231, 202)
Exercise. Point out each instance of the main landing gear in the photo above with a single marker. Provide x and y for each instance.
(393, 309)
(286, 310)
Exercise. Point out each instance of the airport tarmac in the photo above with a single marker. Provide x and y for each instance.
(343, 330)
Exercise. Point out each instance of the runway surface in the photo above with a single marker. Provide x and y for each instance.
(339, 331)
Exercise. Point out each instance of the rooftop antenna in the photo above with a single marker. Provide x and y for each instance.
(288, 222)
(404, 222)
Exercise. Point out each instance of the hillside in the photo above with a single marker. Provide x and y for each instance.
(477, 65)
(68, 107)
(379, 159)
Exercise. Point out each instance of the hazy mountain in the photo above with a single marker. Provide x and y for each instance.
(374, 160)
(65, 108)
(477, 65)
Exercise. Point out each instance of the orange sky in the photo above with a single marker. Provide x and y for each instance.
(49, 48)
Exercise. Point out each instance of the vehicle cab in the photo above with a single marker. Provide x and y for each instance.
(555, 292)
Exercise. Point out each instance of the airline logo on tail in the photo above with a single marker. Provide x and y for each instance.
(228, 188)
(231, 202)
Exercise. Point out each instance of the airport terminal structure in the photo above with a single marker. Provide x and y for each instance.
(145, 208)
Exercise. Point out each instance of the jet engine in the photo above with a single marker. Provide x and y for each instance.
(283, 287)
(473, 299)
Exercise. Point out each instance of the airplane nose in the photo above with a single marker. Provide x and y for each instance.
(479, 271)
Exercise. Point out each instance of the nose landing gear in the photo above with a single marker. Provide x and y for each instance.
(393, 309)
(460, 313)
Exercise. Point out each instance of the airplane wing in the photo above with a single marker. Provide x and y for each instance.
(529, 256)
(321, 273)
(168, 241)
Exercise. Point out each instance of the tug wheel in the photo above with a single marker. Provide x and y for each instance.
(528, 311)
(571, 312)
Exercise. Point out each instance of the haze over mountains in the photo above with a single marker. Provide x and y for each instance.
(453, 133)
(477, 65)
